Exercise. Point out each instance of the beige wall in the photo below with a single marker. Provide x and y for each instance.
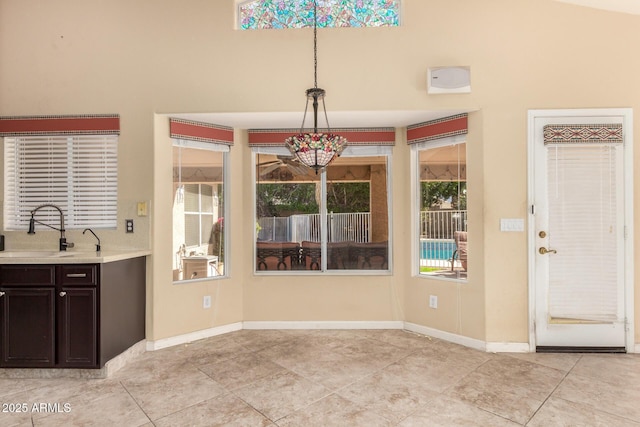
(144, 59)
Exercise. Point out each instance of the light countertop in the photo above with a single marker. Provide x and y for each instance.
(69, 257)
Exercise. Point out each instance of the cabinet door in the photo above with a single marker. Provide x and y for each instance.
(27, 325)
(77, 327)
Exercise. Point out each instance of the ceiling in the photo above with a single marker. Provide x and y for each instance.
(625, 6)
(337, 119)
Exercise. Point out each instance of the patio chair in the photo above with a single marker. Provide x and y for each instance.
(311, 255)
(277, 255)
(371, 255)
(460, 238)
(339, 255)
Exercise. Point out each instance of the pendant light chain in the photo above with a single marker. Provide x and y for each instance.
(315, 62)
(315, 44)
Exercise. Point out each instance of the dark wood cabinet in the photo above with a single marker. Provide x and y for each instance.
(77, 327)
(27, 338)
(77, 309)
(70, 315)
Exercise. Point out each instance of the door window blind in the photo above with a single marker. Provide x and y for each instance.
(77, 173)
(584, 207)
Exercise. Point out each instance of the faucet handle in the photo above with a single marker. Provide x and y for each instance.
(64, 244)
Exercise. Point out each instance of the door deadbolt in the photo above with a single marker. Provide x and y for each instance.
(542, 234)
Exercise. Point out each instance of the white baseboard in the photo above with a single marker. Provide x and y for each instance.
(493, 347)
(193, 336)
(391, 324)
(447, 336)
(508, 347)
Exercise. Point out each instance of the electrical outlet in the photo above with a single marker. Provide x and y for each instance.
(206, 301)
(129, 225)
(433, 301)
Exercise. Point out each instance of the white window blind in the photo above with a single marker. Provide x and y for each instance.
(584, 185)
(77, 173)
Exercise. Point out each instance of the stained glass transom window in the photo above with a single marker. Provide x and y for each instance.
(278, 14)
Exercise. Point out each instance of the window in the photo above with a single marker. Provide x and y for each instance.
(77, 173)
(198, 209)
(337, 220)
(267, 14)
(442, 188)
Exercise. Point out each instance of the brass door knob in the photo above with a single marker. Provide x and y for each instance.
(544, 251)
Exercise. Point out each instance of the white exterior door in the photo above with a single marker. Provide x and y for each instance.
(578, 254)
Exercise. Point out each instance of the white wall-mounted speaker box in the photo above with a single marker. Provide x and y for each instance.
(449, 80)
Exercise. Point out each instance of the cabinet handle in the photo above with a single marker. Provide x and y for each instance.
(1, 294)
(63, 293)
(77, 275)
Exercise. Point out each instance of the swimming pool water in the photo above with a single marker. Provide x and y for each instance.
(436, 249)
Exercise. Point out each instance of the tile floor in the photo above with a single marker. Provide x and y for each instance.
(337, 378)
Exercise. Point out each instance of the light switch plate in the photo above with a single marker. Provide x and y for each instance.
(142, 208)
(511, 224)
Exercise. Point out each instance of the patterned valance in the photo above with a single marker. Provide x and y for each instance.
(355, 136)
(436, 129)
(199, 131)
(583, 134)
(89, 124)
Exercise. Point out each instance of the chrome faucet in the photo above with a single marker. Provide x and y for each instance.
(63, 240)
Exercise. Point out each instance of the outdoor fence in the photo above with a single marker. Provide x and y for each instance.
(436, 236)
(442, 224)
(436, 231)
(342, 227)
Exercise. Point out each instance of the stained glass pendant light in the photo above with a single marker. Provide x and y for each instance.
(315, 150)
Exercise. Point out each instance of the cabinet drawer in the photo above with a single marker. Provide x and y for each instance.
(27, 275)
(78, 274)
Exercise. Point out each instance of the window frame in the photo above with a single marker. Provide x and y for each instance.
(17, 212)
(225, 149)
(200, 213)
(416, 203)
(349, 151)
